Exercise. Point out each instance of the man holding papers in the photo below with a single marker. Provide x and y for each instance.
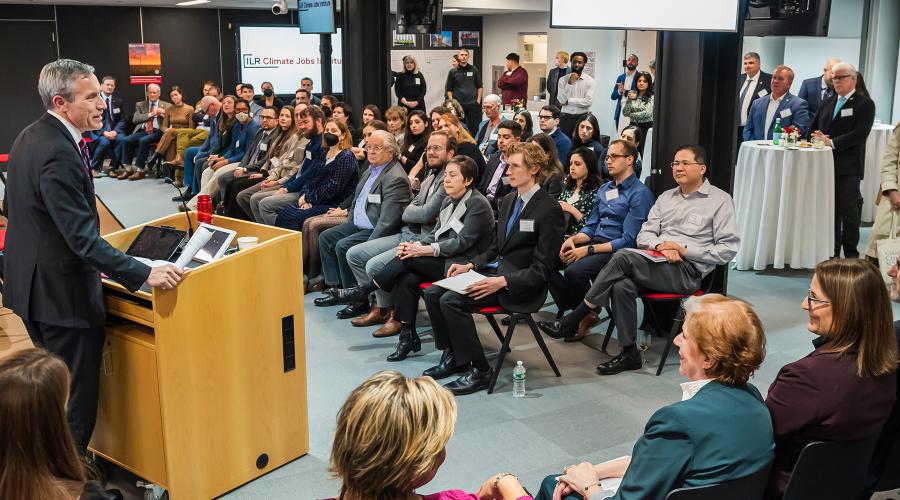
(517, 266)
(692, 226)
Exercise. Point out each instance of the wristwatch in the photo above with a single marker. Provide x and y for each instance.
(590, 249)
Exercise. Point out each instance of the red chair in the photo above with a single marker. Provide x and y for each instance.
(650, 298)
(489, 313)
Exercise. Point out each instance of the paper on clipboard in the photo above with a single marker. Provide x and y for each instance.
(460, 282)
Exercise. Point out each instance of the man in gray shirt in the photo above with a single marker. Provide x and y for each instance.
(464, 85)
(692, 227)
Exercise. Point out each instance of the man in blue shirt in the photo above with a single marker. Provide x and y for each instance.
(548, 120)
(621, 207)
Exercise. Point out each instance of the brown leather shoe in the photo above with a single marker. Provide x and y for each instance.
(389, 329)
(124, 174)
(138, 175)
(584, 327)
(374, 317)
(177, 162)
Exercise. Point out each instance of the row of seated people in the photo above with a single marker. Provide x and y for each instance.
(721, 430)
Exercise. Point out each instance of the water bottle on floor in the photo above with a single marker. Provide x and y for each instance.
(519, 380)
(644, 339)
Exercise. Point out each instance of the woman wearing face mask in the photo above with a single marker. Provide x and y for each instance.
(409, 85)
(639, 106)
(268, 97)
(845, 389)
(330, 185)
(587, 134)
(242, 133)
(327, 104)
(415, 138)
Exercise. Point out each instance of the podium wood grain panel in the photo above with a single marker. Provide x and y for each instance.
(229, 411)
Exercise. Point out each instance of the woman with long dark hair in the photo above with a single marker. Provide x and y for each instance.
(523, 118)
(552, 171)
(579, 189)
(639, 106)
(415, 138)
(587, 134)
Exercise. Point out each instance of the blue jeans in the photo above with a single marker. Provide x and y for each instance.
(141, 141)
(101, 150)
(193, 156)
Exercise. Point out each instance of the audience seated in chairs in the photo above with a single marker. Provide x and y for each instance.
(553, 170)
(692, 226)
(587, 134)
(381, 195)
(38, 458)
(113, 126)
(242, 134)
(465, 144)
(549, 124)
(495, 182)
(610, 221)
(256, 157)
(719, 431)
(635, 136)
(412, 149)
(312, 122)
(134, 149)
(216, 143)
(846, 388)
(208, 107)
(283, 160)
(327, 186)
(419, 217)
(395, 117)
(178, 117)
(313, 227)
(523, 118)
(391, 439)
(580, 187)
(518, 265)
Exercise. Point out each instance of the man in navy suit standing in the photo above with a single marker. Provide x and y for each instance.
(113, 126)
(818, 89)
(625, 82)
(754, 84)
(54, 253)
(780, 104)
(843, 122)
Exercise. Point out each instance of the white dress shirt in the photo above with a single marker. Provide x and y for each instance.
(770, 113)
(576, 99)
(74, 132)
(690, 389)
(749, 85)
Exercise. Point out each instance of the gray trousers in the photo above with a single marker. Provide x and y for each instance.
(619, 283)
(367, 259)
(243, 198)
(266, 205)
(334, 244)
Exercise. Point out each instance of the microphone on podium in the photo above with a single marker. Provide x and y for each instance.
(170, 182)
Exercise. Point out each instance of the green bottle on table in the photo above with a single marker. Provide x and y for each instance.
(776, 134)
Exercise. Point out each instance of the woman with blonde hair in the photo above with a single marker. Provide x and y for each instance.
(391, 439)
(38, 459)
(721, 344)
(845, 388)
(409, 85)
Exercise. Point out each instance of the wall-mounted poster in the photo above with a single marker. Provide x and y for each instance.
(442, 40)
(144, 63)
(408, 41)
(469, 38)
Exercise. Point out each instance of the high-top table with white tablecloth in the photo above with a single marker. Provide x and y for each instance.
(871, 183)
(784, 201)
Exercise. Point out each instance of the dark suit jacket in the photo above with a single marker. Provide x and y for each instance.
(258, 140)
(811, 92)
(791, 110)
(502, 188)
(552, 84)
(392, 188)
(112, 117)
(54, 253)
(820, 398)
(460, 245)
(764, 83)
(889, 433)
(848, 133)
(721, 434)
(526, 258)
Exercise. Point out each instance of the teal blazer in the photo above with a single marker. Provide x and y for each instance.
(722, 433)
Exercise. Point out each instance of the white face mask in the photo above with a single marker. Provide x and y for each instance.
(242, 117)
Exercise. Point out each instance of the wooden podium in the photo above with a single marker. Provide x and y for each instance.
(203, 388)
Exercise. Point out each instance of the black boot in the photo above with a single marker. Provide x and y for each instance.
(628, 359)
(409, 342)
(353, 295)
(446, 367)
(471, 382)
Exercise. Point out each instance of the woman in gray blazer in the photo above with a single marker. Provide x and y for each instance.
(465, 228)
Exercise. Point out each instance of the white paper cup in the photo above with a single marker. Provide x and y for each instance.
(246, 242)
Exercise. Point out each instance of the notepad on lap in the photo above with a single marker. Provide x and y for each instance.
(460, 282)
(651, 255)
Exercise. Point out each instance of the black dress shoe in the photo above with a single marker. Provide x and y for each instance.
(352, 295)
(353, 310)
(471, 382)
(325, 301)
(446, 367)
(187, 197)
(409, 342)
(559, 329)
(622, 362)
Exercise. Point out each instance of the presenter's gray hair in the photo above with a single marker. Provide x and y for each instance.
(844, 65)
(58, 78)
(390, 142)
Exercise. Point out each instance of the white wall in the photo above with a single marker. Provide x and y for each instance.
(500, 36)
(880, 69)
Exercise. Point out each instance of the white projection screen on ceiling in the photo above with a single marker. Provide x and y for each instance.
(659, 15)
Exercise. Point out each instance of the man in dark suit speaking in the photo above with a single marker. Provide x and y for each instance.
(844, 122)
(54, 253)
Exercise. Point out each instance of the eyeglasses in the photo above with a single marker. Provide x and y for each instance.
(434, 149)
(839, 77)
(264, 117)
(810, 298)
(675, 164)
(545, 117)
(614, 157)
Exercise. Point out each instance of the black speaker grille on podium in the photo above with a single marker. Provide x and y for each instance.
(419, 16)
